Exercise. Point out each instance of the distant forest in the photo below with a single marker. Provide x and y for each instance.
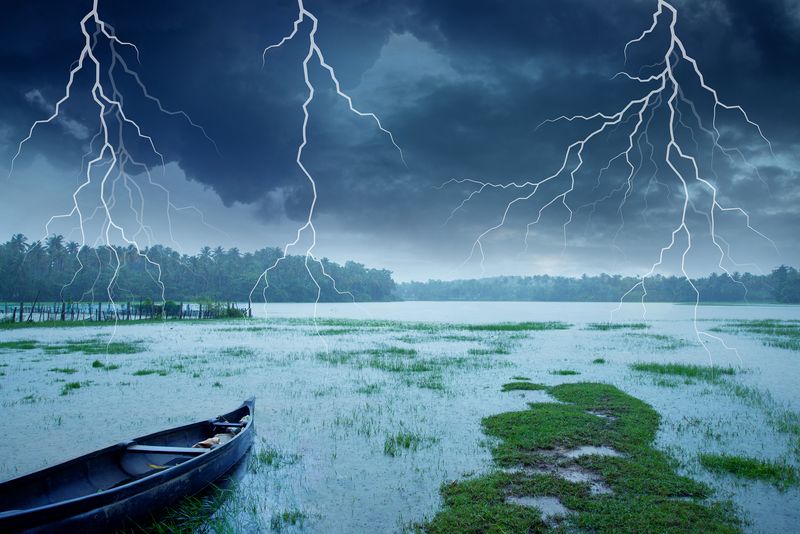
(47, 271)
(781, 285)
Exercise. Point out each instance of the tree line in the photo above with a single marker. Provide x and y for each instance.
(781, 285)
(59, 271)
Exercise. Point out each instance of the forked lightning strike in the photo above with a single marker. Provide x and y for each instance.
(111, 159)
(663, 87)
(314, 51)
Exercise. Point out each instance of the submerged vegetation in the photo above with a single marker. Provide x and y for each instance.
(779, 474)
(635, 486)
(617, 326)
(773, 332)
(87, 346)
(697, 372)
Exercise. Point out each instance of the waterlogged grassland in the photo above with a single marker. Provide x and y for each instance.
(781, 474)
(360, 422)
(784, 334)
(642, 491)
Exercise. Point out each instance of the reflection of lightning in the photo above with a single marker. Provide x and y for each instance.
(663, 88)
(314, 51)
(110, 158)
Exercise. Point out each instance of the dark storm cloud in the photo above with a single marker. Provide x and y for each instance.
(483, 76)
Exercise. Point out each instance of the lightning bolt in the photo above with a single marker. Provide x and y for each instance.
(314, 53)
(108, 164)
(662, 89)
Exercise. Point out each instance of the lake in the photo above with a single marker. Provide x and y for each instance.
(326, 410)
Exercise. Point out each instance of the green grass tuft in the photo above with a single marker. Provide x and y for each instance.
(697, 372)
(64, 370)
(523, 386)
(23, 344)
(617, 326)
(779, 474)
(145, 372)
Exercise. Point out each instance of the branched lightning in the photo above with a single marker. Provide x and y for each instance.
(108, 163)
(662, 88)
(314, 52)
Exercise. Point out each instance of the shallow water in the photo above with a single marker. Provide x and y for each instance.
(339, 416)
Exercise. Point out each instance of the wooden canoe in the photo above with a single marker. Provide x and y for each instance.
(116, 486)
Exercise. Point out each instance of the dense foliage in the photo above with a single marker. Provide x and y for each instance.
(55, 271)
(782, 285)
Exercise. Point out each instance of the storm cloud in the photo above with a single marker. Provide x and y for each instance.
(463, 86)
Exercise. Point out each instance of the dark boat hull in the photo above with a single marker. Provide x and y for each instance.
(135, 501)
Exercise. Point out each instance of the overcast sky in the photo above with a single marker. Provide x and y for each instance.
(461, 85)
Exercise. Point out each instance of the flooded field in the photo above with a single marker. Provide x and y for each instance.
(363, 414)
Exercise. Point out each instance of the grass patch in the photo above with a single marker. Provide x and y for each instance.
(146, 372)
(69, 387)
(369, 389)
(94, 346)
(564, 372)
(336, 331)
(523, 386)
(287, 518)
(520, 378)
(210, 511)
(599, 360)
(658, 341)
(779, 474)
(270, 458)
(396, 444)
(64, 370)
(490, 351)
(773, 332)
(697, 372)
(22, 344)
(604, 327)
(648, 495)
(515, 327)
(238, 352)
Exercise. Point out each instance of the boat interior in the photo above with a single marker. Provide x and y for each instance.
(120, 464)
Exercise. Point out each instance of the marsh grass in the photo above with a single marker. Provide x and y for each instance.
(210, 511)
(599, 361)
(515, 327)
(94, 346)
(69, 387)
(523, 386)
(779, 474)
(287, 518)
(648, 495)
(658, 341)
(564, 372)
(497, 349)
(237, 352)
(268, 457)
(146, 372)
(695, 372)
(335, 331)
(23, 344)
(773, 332)
(396, 444)
(605, 327)
(63, 370)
